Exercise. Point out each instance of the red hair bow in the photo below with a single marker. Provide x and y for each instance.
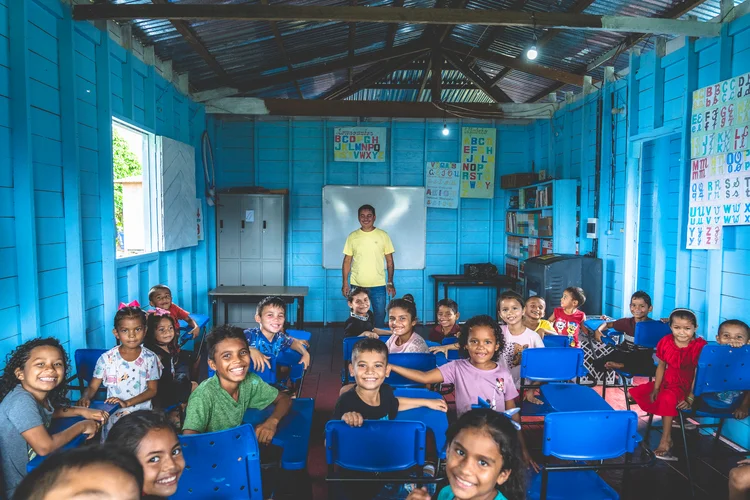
(132, 304)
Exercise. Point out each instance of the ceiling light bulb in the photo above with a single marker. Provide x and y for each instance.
(445, 130)
(532, 53)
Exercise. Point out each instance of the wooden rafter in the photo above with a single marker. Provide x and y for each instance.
(478, 77)
(519, 64)
(280, 44)
(425, 76)
(371, 75)
(314, 13)
(329, 67)
(415, 86)
(631, 41)
(191, 37)
(436, 85)
(350, 43)
(391, 37)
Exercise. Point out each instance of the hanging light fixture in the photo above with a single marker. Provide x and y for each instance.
(445, 129)
(532, 53)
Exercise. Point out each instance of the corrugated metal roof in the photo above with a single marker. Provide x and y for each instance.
(247, 50)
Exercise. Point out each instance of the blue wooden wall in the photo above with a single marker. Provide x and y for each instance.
(296, 154)
(60, 85)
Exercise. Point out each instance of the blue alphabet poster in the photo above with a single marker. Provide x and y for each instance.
(478, 148)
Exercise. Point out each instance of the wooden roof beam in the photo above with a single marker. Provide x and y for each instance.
(436, 85)
(280, 44)
(391, 37)
(518, 64)
(371, 75)
(425, 76)
(478, 78)
(191, 37)
(313, 13)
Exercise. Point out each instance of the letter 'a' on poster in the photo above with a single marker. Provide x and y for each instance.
(442, 184)
(719, 193)
(478, 149)
(359, 144)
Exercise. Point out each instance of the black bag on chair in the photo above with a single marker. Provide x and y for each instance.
(480, 271)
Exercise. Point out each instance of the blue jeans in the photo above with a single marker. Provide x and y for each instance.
(377, 300)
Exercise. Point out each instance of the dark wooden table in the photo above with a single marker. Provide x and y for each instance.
(252, 294)
(499, 283)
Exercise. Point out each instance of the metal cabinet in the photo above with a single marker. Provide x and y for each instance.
(251, 231)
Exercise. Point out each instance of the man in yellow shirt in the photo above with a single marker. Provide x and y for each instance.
(364, 251)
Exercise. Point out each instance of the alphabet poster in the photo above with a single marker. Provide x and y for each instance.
(478, 162)
(442, 184)
(360, 144)
(720, 161)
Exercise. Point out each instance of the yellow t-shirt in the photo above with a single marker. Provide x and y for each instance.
(545, 325)
(368, 251)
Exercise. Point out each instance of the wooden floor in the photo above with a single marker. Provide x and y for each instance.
(663, 480)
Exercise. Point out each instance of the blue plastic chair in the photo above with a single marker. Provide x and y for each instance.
(422, 361)
(449, 340)
(345, 445)
(608, 435)
(551, 364)
(556, 340)
(436, 421)
(647, 334)
(219, 465)
(721, 368)
(348, 345)
(85, 360)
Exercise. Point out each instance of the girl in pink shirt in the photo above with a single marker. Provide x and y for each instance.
(480, 376)
(402, 318)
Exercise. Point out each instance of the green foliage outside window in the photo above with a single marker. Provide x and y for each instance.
(125, 164)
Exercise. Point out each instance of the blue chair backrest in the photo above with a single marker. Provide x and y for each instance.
(86, 362)
(422, 361)
(556, 340)
(345, 445)
(649, 333)
(449, 340)
(608, 434)
(299, 334)
(552, 364)
(723, 368)
(224, 464)
(349, 345)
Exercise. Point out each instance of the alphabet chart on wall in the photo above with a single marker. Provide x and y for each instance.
(719, 192)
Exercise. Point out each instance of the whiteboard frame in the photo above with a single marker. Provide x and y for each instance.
(409, 237)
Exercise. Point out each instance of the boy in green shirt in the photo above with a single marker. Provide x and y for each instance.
(220, 402)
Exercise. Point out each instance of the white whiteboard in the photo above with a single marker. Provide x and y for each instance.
(400, 211)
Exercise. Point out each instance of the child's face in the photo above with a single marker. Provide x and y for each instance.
(400, 321)
(732, 334)
(164, 331)
(162, 299)
(474, 465)
(568, 302)
(446, 317)
(511, 311)
(160, 454)
(481, 344)
(44, 370)
(271, 319)
(534, 308)
(130, 332)
(683, 330)
(369, 369)
(231, 360)
(639, 309)
(360, 304)
(99, 481)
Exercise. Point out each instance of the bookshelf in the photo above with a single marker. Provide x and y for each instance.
(541, 218)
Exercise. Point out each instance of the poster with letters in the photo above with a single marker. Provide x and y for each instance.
(359, 144)
(478, 149)
(442, 184)
(719, 193)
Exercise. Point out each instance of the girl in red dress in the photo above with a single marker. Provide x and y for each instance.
(673, 388)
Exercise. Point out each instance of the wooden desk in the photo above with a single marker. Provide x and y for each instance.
(499, 283)
(251, 294)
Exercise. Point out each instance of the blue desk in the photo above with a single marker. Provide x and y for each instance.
(293, 432)
(436, 421)
(201, 320)
(60, 424)
(573, 397)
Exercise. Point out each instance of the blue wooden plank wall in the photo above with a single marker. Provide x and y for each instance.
(296, 154)
(60, 84)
